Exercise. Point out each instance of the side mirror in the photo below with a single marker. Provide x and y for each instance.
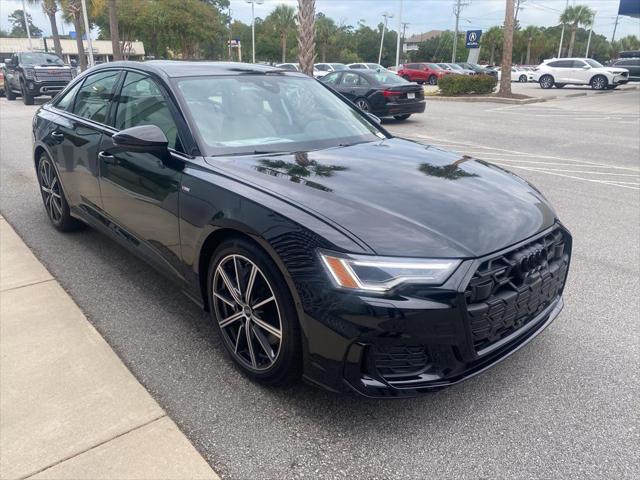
(586, 67)
(8, 61)
(73, 63)
(144, 138)
(374, 118)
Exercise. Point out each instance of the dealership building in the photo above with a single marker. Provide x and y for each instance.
(102, 51)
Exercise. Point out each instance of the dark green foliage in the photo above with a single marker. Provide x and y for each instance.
(465, 84)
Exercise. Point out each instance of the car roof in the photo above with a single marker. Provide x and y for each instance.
(178, 68)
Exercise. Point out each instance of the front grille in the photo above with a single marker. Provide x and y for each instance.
(53, 75)
(394, 361)
(511, 289)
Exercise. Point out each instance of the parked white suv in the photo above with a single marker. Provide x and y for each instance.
(559, 72)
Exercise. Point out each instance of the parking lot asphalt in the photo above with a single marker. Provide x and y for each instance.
(563, 407)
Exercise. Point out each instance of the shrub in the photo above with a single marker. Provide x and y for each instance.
(451, 85)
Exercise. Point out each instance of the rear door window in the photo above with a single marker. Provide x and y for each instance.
(95, 95)
(66, 101)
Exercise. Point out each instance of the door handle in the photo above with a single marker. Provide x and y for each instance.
(106, 158)
(57, 135)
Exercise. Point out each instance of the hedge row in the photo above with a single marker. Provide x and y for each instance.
(451, 85)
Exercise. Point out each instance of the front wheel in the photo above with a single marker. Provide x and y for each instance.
(433, 80)
(363, 104)
(255, 314)
(546, 81)
(402, 117)
(522, 79)
(53, 197)
(599, 82)
(26, 98)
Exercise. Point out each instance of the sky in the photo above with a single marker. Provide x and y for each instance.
(422, 15)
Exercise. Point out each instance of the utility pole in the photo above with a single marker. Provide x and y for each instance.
(457, 9)
(253, 28)
(86, 29)
(562, 34)
(586, 54)
(230, 32)
(404, 35)
(386, 16)
(398, 40)
(26, 25)
(615, 27)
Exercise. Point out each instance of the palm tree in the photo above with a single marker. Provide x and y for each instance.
(72, 10)
(530, 33)
(576, 15)
(306, 35)
(325, 32)
(284, 18)
(507, 51)
(492, 38)
(50, 8)
(113, 28)
(448, 172)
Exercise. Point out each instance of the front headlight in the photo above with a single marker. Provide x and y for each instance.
(380, 274)
(29, 73)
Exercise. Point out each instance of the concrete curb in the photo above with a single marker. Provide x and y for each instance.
(509, 101)
(70, 408)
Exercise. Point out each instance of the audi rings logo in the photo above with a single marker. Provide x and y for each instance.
(529, 261)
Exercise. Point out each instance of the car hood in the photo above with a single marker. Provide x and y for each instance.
(403, 198)
(616, 70)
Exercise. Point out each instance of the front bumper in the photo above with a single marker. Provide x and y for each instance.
(36, 88)
(420, 339)
(620, 79)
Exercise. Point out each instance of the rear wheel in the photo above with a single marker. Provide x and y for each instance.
(254, 311)
(546, 81)
(402, 117)
(26, 98)
(599, 82)
(53, 197)
(363, 104)
(433, 80)
(522, 79)
(559, 85)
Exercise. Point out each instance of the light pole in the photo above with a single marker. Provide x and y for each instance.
(562, 34)
(398, 39)
(86, 29)
(386, 16)
(26, 25)
(253, 27)
(593, 20)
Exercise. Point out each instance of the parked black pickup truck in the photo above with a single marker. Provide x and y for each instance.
(32, 74)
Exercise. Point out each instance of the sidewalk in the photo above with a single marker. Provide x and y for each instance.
(69, 408)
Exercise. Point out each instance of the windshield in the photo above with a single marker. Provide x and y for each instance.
(593, 63)
(433, 66)
(455, 67)
(338, 66)
(375, 66)
(270, 113)
(444, 66)
(34, 58)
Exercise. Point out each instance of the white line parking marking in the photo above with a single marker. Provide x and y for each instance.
(605, 182)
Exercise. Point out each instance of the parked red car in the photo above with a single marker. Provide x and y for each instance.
(422, 72)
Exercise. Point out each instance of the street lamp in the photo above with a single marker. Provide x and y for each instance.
(253, 27)
(386, 16)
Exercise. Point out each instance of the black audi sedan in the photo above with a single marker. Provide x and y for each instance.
(322, 246)
(380, 92)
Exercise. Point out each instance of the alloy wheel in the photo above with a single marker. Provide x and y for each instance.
(51, 192)
(363, 105)
(247, 312)
(599, 83)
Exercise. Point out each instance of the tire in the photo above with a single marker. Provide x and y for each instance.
(26, 98)
(433, 80)
(599, 82)
(363, 104)
(11, 96)
(546, 82)
(262, 356)
(559, 85)
(611, 87)
(53, 197)
(402, 117)
(522, 79)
